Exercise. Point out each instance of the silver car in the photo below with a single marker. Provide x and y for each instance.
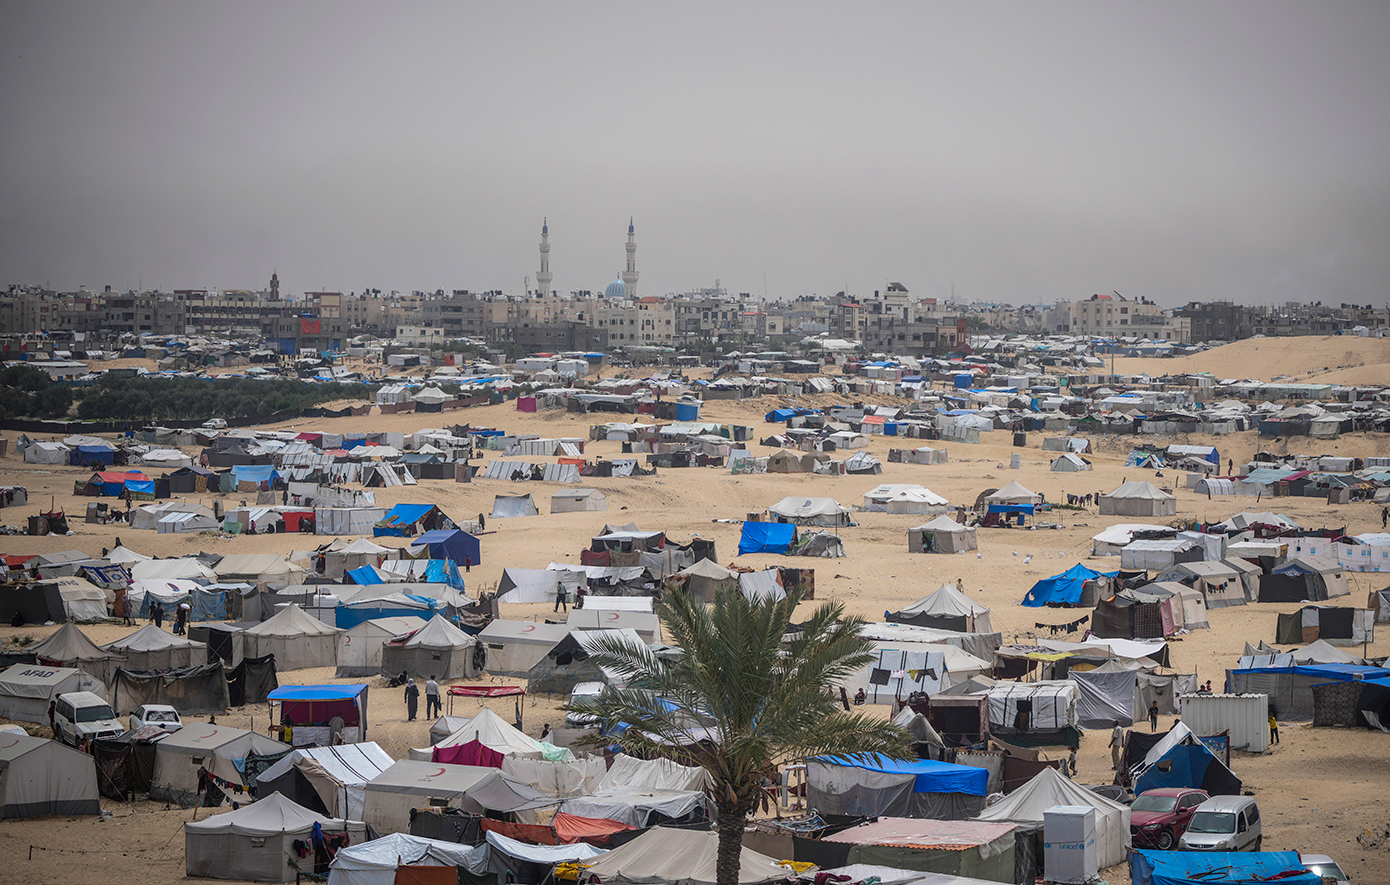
(166, 717)
(1324, 866)
(1224, 823)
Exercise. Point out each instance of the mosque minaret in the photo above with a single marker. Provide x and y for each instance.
(544, 276)
(629, 276)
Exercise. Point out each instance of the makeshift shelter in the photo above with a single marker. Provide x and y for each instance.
(810, 511)
(490, 732)
(1013, 493)
(82, 600)
(46, 453)
(568, 663)
(872, 786)
(329, 780)
(1034, 713)
(379, 861)
(1188, 764)
(514, 647)
(945, 608)
(1139, 498)
(40, 777)
(454, 545)
(578, 501)
(976, 850)
(1069, 463)
(359, 647)
(312, 707)
(942, 535)
(1218, 582)
(766, 537)
(35, 603)
(1077, 586)
(389, 797)
(190, 690)
(184, 569)
(1145, 613)
(257, 842)
(438, 648)
(297, 640)
(1159, 554)
(151, 648)
(705, 578)
(672, 855)
(26, 689)
(1310, 578)
(70, 647)
(257, 568)
(510, 506)
(216, 748)
(408, 520)
(1333, 625)
(1048, 789)
(1243, 867)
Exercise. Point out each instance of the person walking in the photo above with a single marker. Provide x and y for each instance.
(468, 563)
(1273, 727)
(412, 699)
(561, 598)
(1071, 761)
(482, 523)
(157, 611)
(960, 585)
(127, 610)
(432, 706)
(1117, 746)
(1153, 716)
(1384, 516)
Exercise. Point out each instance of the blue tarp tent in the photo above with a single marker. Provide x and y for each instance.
(403, 605)
(776, 416)
(367, 574)
(453, 544)
(1218, 868)
(766, 537)
(1063, 589)
(930, 776)
(92, 456)
(319, 703)
(255, 473)
(209, 605)
(145, 486)
(1190, 765)
(687, 411)
(405, 519)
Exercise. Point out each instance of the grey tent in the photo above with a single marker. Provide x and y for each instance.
(508, 506)
(706, 577)
(40, 777)
(150, 648)
(256, 842)
(1069, 463)
(297, 640)
(1310, 578)
(1138, 499)
(359, 648)
(70, 647)
(578, 500)
(946, 608)
(439, 649)
(941, 535)
(514, 647)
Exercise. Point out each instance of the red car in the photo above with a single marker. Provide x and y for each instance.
(1159, 817)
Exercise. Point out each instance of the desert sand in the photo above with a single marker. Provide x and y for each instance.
(1318, 789)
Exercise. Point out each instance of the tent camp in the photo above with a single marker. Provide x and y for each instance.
(1013, 493)
(198, 745)
(945, 608)
(151, 648)
(578, 501)
(514, 647)
(70, 647)
(359, 648)
(1077, 586)
(810, 511)
(874, 787)
(705, 578)
(1069, 463)
(40, 777)
(1048, 789)
(257, 568)
(327, 780)
(670, 855)
(390, 796)
(509, 506)
(1138, 498)
(297, 640)
(26, 689)
(438, 649)
(942, 535)
(257, 842)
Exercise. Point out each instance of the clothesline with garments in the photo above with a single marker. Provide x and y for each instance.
(1054, 629)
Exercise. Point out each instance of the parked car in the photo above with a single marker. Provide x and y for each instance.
(214, 424)
(1158, 818)
(1324, 866)
(583, 690)
(1224, 823)
(1113, 792)
(165, 717)
(83, 715)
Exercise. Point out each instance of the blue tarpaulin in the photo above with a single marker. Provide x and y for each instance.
(367, 574)
(1013, 508)
(766, 537)
(1063, 589)
(256, 473)
(453, 544)
(349, 616)
(209, 605)
(315, 692)
(1218, 868)
(401, 518)
(931, 776)
(1193, 766)
(140, 486)
(687, 411)
(92, 456)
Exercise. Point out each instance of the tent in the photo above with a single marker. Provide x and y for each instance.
(297, 640)
(1218, 582)
(452, 544)
(1189, 764)
(514, 647)
(257, 568)
(1139, 498)
(810, 511)
(1235, 868)
(1069, 463)
(766, 537)
(328, 780)
(1158, 555)
(70, 647)
(1075, 586)
(945, 608)
(190, 690)
(1048, 789)
(1038, 712)
(359, 648)
(437, 649)
(376, 862)
(568, 663)
(489, 730)
(46, 453)
(1310, 578)
(151, 648)
(920, 500)
(406, 520)
(184, 569)
(537, 584)
(872, 786)
(671, 855)
(705, 578)
(35, 603)
(40, 777)
(862, 463)
(1333, 625)
(389, 797)
(942, 535)
(256, 842)
(26, 689)
(202, 745)
(977, 851)
(509, 506)
(82, 600)
(578, 501)
(1013, 493)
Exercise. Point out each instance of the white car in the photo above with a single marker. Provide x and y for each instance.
(214, 424)
(584, 690)
(83, 716)
(165, 717)
(1324, 866)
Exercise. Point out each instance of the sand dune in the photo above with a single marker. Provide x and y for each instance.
(1311, 359)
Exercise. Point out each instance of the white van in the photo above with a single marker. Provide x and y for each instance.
(79, 715)
(1224, 823)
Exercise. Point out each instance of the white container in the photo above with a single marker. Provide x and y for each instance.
(1245, 716)
(1069, 844)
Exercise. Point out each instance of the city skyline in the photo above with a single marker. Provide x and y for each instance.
(1009, 152)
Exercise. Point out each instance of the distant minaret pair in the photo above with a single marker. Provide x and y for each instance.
(629, 276)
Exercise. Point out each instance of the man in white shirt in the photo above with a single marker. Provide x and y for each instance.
(432, 705)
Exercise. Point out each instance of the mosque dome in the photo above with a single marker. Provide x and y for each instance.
(615, 289)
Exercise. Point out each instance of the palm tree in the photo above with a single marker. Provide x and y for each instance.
(756, 693)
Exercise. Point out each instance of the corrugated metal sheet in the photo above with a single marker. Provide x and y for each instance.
(1245, 716)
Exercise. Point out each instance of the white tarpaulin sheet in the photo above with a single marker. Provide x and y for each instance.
(338, 774)
(762, 585)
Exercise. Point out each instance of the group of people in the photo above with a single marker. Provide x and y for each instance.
(412, 699)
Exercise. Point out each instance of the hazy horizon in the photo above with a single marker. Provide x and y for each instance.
(1020, 153)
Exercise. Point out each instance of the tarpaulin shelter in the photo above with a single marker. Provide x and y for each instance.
(1236, 868)
(26, 689)
(1047, 789)
(568, 663)
(223, 646)
(185, 522)
(408, 520)
(536, 585)
(1069, 463)
(35, 603)
(1144, 613)
(252, 680)
(408, 784)
(1104, 697)
(40, 777)
(359, 647)
(215, 748)
(514, 647)
(297, 640)
(945, 608)
(1310, 578)
(257, 842)
(810, 511)
(1189, 764)
(70, 647)
(766, 537)
(151, 648)
(510, 506)
(1077, 586)
(83, 600)
(331, 780)
(46, 453)
(452, 544)
(872, 786)
(182, 569)
(672, 855)
(1155, 555)
(706, 577)
(942, 535)
(1219, 583)
(1034, 712)
(190, 690)
(125, 764)
(979, 850)
(1139, 498)
(257, 568)
(1333, 625)
(438, 648)
(314, 706)
(379, 861)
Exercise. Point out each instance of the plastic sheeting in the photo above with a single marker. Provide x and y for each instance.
(42, 777)
(1104, 699)
(191, 690)
(893, 790)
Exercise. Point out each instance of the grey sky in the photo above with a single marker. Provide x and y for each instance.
(1020, 151)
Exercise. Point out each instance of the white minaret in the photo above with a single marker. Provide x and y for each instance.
(544, 277)
(629, 276)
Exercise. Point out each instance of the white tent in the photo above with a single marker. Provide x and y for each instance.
(810, 511)
(40, 777)
(70, 647)
(187, 569)
(1013, 493)
(26, 689)
(216, 748)
(1138, 499)
(495, 733)
(375, 862)
(705, 577)
(256, 841)
(151, 648)
(359, 647)
(509, 506)
(944, 608)
(578, 500)
(83, 600)
(1070, 463)
(671, 855)
(46, 453)
(126, 556)
(877, 498)
(298, 640)
(536, 584)
(1048, 789)
(257, 568)
(645, 624)
(437, 649)
(942, 535)
(925, 455)
(148, 517)
(917, 501)
(185, 523)
(170, 459)
(514, 647)
(409, 784)
(338, 775)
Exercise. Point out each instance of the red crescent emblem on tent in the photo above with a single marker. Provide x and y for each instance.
(437, 773)
(612, 616)
(528, 628)
(10, 744)
(209, 734)
(347, 640)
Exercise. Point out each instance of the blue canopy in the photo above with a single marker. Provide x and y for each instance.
(687, 411)
(316, 692)
(1193, 766)
(1029, 509)
(1218, 868)
(766, 537)
(453, 544)
(140, 485)
(367, 574)
(401, 517)
(931, 776)
(257, 473)
(1063, 589)
(92, 456)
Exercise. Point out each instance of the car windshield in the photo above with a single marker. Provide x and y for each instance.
(1212, 822)
(1327, 869)
(161, 716)
(1162, 804)
(94, 713)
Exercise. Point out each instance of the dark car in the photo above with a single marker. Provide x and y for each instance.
(1158, 818)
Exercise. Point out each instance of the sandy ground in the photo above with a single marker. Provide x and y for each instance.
(1331, 359)
(141, 843)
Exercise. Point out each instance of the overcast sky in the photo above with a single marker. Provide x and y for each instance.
(1016, 152)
